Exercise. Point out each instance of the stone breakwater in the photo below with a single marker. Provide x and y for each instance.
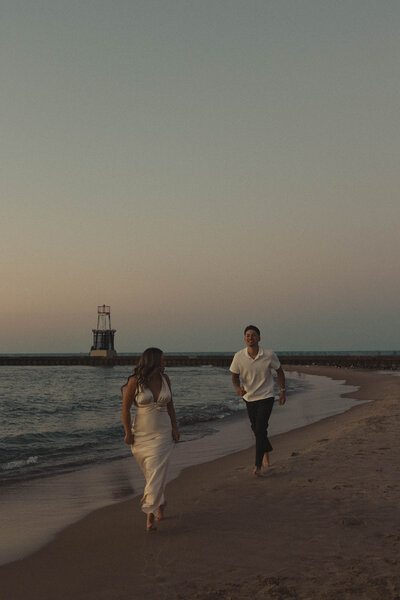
(375, 362)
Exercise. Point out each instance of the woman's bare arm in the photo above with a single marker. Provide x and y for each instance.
(127, 401)
(172, 415)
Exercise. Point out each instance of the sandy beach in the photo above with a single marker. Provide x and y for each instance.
(322, 524)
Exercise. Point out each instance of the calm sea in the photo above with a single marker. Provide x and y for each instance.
(62, 453)
(58, 419)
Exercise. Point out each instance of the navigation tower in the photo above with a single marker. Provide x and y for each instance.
(103, 336)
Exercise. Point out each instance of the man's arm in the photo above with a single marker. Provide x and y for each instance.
(281, 379)
(236, 384)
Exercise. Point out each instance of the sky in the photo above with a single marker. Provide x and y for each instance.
(200, 165)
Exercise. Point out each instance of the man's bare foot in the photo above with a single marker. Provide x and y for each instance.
(265, 462)
(150, 523)
(160, 512)
(257, 472)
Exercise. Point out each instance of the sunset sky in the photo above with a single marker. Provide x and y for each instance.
(200, 165)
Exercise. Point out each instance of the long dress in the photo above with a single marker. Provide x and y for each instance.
(153, 443)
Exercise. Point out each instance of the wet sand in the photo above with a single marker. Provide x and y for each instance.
(32, 512)
(324, 523)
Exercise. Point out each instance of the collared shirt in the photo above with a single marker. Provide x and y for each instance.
(256, 373)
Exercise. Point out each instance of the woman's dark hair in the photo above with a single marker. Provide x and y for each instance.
(254, 328)
(148, 364)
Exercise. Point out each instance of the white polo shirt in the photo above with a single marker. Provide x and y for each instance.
(255, 373)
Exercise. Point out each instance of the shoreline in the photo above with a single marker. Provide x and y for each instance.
(325, 513)
(55, 502)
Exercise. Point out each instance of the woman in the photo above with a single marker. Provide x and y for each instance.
(150, 437)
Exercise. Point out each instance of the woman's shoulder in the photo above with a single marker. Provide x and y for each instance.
(132, 383)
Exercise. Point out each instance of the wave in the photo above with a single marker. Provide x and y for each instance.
(69, 420)
(17, 464)
(212, 413)
(31, 455)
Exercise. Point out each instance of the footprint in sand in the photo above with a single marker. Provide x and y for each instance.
(339, 486)
(350, 521)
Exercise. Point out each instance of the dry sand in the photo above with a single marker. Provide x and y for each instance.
(323, 524)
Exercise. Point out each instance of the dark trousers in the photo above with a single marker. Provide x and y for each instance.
(259, 412)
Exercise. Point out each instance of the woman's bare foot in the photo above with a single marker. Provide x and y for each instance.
(150, 523)
(160, 512)
(265, 462)
(257, 472)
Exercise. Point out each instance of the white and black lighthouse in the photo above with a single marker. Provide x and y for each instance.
(103, 335)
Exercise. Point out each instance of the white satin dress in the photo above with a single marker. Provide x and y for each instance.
(153, 443)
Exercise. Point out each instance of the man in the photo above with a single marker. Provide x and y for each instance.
(252, 379)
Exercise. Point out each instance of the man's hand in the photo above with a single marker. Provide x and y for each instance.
(282, 398)
(236, 384)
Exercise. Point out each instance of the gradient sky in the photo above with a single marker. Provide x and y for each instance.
(200, 165)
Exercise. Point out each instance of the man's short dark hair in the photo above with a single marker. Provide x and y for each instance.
(254, 328)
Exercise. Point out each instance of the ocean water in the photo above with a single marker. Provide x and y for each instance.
(62, 453)
(58, 419)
